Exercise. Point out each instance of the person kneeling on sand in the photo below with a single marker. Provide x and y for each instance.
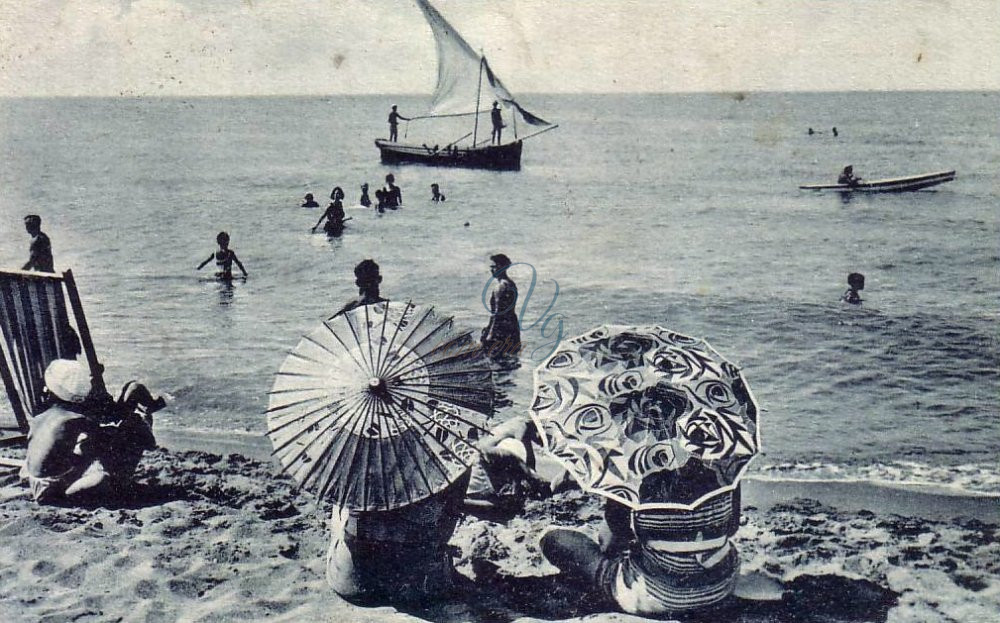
(87, 443)
(402, 554)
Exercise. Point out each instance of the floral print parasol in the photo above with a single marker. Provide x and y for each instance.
(645, 416)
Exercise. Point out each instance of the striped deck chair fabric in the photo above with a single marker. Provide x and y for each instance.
(36, 328)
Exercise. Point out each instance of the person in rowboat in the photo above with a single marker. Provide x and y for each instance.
(847, 176)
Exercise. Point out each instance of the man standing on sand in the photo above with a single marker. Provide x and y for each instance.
(40, 251)
(394, 118)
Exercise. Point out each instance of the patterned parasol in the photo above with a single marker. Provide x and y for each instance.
(380, 407)
(646, 416)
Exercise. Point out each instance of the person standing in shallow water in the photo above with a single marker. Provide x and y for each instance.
(368, 278)
(224, 258)
(40, 250)
(502, 336)
(365, 200)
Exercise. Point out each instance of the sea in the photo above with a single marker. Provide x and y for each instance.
(681, 210)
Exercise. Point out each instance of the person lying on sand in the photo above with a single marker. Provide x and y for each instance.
(86, 442)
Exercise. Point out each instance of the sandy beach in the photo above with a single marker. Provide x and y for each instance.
(220, 537)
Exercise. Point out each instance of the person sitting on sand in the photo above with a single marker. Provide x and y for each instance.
(365, 199)
(86, 442)
(847, 176)
(403, 554)
(310, 202)
(655, 562)
(334, 213)
(224, 258)
(436, 195)
(855, 283)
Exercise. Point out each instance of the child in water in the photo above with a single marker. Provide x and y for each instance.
(365, 199)
(855, 282)
(224, 258)
(436, 193)
(309, 202)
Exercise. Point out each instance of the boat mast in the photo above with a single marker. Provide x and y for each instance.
(479, 90)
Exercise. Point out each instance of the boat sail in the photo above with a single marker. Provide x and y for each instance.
(466, 89)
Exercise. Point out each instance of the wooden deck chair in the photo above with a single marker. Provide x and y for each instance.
(37, 329)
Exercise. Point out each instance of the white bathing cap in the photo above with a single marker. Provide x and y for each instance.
(68, 380)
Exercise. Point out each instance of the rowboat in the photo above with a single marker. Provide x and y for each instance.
(889, 185)
(466, 88)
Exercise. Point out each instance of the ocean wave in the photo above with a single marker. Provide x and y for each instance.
(967, 479)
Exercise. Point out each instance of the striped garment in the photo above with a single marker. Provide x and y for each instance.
(678, 561)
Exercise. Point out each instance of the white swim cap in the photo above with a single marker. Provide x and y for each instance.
(68, 380)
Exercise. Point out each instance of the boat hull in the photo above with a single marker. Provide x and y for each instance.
(892, 185)
(505, 157)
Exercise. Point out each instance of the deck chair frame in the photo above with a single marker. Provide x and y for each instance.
(67, 286)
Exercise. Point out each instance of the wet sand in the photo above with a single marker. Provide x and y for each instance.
(216, 536)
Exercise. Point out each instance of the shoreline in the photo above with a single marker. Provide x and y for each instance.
(914, 500)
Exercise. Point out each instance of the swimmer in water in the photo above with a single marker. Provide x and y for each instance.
(436, 194)
(224, 258)
(309, 202)
(855, 282)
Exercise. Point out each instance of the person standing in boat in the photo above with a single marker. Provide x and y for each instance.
(497, 117)
(394, 118)
(847, 176)
(502, 336)
(40, 249)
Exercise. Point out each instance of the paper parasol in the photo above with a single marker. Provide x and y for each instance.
(381, 406)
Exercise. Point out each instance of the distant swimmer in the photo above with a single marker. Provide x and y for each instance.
(309, 202)
(835, 131)
(334, 214)
(847, 176)
(40, 249)
(855, 282)
(365, 199)
(394, 118)
(436, 195)
(811, 131)
(498, 125)
(224, 258)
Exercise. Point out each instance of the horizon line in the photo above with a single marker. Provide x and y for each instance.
(735, 92)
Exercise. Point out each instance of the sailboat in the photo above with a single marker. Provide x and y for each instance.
(467, 90)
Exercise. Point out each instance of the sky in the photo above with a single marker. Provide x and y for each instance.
(328, 47)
